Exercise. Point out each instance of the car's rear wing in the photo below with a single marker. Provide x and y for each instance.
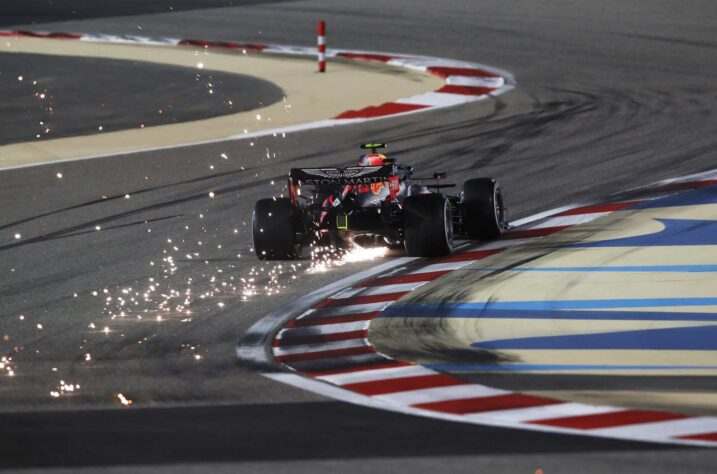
(342, 176)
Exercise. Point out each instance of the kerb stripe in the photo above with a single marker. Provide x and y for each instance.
(378, 387)
(609, 420)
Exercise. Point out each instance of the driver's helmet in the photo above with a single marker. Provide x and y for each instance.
(370, 194)
(372, 159)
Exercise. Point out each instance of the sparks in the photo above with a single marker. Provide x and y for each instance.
(124, 400)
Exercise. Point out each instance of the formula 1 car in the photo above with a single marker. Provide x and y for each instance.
(377, 203)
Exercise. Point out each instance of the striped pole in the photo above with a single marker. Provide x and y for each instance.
(322, 46)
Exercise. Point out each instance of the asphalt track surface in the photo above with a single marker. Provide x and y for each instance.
(52, 100)
(610, 95)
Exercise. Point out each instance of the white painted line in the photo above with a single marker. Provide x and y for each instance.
(577, 219)
(128, 39)
(354, 309)
(440, 99)
(440, 394)
(492, 82)
(377, 374)
(320, 347)
(664, 429)
(347, 293)
(439, 267)
(320, 329)
(397, 288)
(542, 215)
(561, 410)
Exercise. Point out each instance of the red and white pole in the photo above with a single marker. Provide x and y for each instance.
(321, 43)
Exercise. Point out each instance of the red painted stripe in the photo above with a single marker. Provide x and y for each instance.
(367, 57)
(465, 90)
(346, 318)
(389, 108)
(610, 420)
(480, 404)
(701, 437)
(459, 71)
(465, 256)
(408, 278)
(527, 233)
(32, 34)
(222, 44)
(318, 338)
(361, 368)
(59, 35)
(326, 354)
(368, 299)
(616, 206)
(379, 387)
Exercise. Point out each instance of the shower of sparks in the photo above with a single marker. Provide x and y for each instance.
(124, 400)
(361, 254)
(64, 389)
(325, 258)
(6, 366)
(191, 277)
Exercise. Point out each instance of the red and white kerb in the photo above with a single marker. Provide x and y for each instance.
(329, 343)
(321, 43)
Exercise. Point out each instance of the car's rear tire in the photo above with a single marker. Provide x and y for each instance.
(274, 228)
(483, 210)
(428, 225)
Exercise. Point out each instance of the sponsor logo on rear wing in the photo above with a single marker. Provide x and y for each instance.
(342, 176)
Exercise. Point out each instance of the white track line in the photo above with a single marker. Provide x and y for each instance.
(560, 410)
(440, 394)
(321, 329)
(376, 374)
(319, 347)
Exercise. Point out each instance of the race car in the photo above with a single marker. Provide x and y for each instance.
(375, 203)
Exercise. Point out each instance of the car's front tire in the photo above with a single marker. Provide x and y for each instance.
(428, 225)
(274, 226)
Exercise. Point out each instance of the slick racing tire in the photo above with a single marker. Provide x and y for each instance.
(274, 226)
(483, 210)
(428, 225)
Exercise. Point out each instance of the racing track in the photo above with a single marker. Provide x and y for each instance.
(81, 108)
(610, 96)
